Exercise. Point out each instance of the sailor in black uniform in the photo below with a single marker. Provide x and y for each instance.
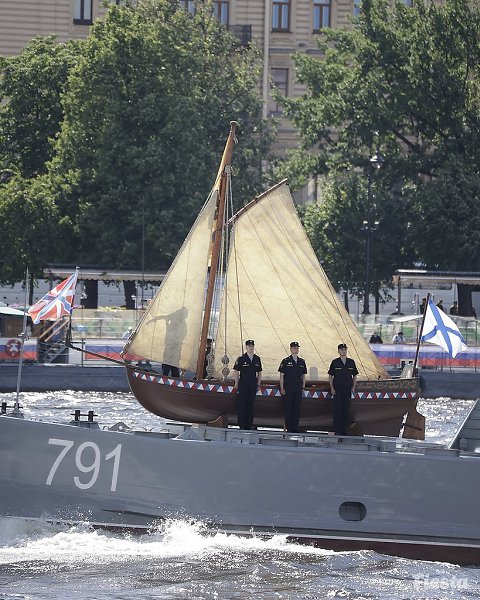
(247, 372)
(293, 374)
(343, 378)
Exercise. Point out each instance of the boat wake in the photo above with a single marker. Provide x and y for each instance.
(187, 560)
(24, 540)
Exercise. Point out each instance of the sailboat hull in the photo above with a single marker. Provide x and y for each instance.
(377, 408)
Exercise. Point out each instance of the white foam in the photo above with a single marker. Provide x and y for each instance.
(23, 540)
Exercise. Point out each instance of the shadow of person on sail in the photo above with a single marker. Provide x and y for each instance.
(175, 333)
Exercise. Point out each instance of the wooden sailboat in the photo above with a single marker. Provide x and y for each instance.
(254, 275)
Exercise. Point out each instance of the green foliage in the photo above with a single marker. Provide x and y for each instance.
(32, 229)
(123, 130)
(336, 227)
(147, 113)
(28, 216)
(406, 80)
(450, 204)
(30, 106)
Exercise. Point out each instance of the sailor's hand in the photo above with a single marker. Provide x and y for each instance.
(282, 391)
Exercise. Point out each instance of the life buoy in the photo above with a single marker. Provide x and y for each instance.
(12, 348)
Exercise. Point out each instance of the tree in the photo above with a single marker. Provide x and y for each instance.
(406, 80)
(449, 205)
(147, 113)
(28, 216)
(31, 226)
(30, 105)
(335, 225)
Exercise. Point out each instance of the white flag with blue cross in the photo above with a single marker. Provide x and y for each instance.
(439, 329)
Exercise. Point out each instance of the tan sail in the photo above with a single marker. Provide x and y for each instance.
(283, 295)
(170, 330)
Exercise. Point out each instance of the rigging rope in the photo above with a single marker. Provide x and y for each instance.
(238, 298)
(221, 281)
(228, 211)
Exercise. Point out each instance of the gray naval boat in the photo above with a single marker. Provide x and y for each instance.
(392, 495)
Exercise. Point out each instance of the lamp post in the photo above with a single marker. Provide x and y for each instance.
(369, 226)
(143, 253)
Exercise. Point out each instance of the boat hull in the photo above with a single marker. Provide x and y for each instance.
(377, 408)
(343, 494)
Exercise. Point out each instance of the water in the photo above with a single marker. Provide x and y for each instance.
(40, 561)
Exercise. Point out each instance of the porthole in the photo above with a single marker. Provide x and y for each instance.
(352, 511)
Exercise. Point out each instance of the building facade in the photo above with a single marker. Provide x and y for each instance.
(22, 20)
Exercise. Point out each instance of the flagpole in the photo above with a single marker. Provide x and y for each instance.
(69, 330)
(24, 337)
(420, 335)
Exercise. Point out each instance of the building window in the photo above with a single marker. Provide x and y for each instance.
(242, 32)
(321, 14)
(279, 79)
(281, 15)
(188, 5)
(220, 8)
(357, 8)
(82, 12)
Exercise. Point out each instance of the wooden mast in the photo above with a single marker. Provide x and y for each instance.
(215, 245)
(414, 370)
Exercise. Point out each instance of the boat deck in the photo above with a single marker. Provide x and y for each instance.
(271, 437)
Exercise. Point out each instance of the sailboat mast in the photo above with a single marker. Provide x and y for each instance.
(215, 245)
(414, 369)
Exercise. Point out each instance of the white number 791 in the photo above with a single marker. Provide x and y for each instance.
(94, 467)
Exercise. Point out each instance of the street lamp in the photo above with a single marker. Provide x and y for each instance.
(369, 226)
(143, 252)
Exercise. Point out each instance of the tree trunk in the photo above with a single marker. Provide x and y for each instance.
(377, 303)
(91, 291)
(129, 288)
(30, 291)
(465, 300)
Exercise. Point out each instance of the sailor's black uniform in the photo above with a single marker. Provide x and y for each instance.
(293, 371)
(343, 374)
(247, 387)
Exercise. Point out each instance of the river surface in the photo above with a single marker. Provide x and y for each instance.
(39, 561)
